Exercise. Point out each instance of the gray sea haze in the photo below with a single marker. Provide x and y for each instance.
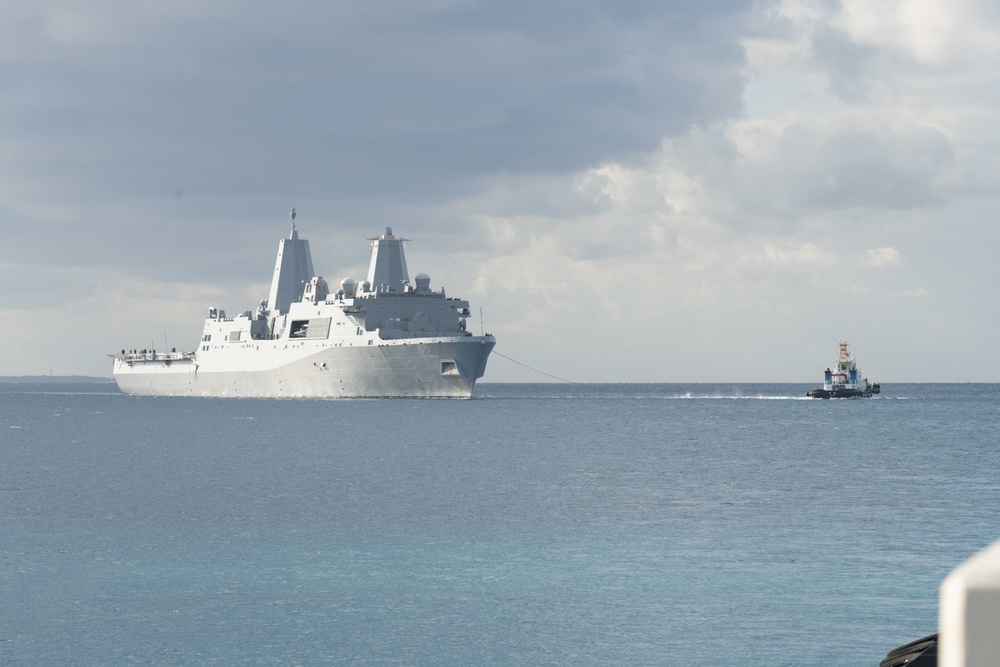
(534, 525)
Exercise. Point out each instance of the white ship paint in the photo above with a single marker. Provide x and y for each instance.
(384, 338)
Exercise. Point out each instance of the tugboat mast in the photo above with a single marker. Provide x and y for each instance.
(845, 356)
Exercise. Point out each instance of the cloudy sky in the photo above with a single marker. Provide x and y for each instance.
(629, 191)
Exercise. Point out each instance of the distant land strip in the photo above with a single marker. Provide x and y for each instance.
(53, 378)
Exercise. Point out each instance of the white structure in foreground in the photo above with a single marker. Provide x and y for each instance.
(969, 613)
(386, 337)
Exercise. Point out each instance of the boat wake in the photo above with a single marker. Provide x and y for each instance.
(713, 397)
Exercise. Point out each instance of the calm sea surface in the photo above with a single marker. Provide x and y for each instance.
(534, 525)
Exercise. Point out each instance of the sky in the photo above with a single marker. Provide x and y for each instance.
(639, 191)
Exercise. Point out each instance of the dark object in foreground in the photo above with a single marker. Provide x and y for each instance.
(919, 653)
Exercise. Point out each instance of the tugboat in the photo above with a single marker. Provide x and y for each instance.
(846, 380)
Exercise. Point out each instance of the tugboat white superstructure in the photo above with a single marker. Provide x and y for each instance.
(845, 381)
(383, 338)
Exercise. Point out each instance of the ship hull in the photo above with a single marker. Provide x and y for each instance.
(840, 393)
(415, 368)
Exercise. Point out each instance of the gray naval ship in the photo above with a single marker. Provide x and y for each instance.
(386, 337)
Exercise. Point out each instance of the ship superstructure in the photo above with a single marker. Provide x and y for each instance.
(384, 337)
(845, 380)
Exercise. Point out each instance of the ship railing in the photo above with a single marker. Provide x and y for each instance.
(152, 355)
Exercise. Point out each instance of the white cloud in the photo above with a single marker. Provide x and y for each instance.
(931, 32)
(883, 257)
(797, 257)
(919, 293)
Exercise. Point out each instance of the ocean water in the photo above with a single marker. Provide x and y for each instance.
(533, 525)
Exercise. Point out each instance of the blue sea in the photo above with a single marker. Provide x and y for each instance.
(553, 524)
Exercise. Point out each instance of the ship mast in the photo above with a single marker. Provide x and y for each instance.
(387, 268)
(292, 269)
(845, 356)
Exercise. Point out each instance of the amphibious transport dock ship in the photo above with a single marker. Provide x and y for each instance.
(385, 337)
(845, 381)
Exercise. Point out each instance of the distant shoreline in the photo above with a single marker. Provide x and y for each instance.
(52, 378)
(41, 379)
